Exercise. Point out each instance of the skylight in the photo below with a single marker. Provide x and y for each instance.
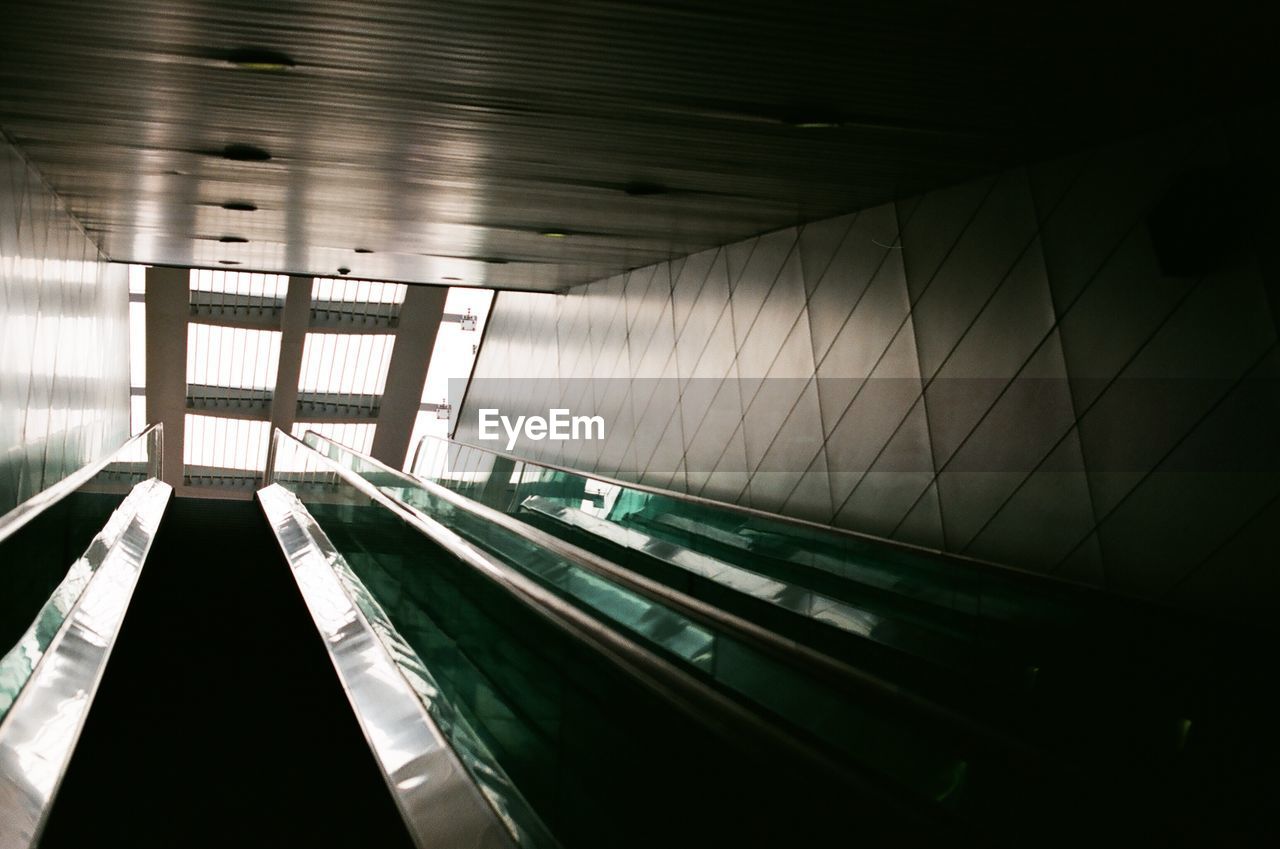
(351, 364)
(233, 357)
(234, 348)
(137, 349)
(358, 291)
(222, 443)
(239, 283)
(452, 359)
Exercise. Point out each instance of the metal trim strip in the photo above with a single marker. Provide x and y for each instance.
(40, 731)
(962, 560)
(439, 802)
(15, 519)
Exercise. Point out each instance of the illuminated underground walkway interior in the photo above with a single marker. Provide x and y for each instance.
(636, 426)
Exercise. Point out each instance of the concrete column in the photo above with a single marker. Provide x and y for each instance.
(407, 373)
(293, 336)
(168, 296)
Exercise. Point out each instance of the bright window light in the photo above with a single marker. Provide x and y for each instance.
(452, 358)
(358, 436)
(137, 414)
(137, 279)
(239, 283)
(234, 357)
(137, 344)
(137, 351)
(221, 443)
(357, 291)
(354, 364)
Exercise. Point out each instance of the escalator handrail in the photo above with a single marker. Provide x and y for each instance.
(977, 565)
(448, 808)
(19, 516)
(830, 669)
(1041, 585)
(39, 733)
(679, 688)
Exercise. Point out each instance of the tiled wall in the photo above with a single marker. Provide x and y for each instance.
(1041, 395)
(64, 354)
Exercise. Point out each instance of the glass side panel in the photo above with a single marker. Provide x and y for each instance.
(1084, 674)
(593, 750)
(924, 638)
(42, 570)
(1099, 722)
(825, 561)
(891, 745)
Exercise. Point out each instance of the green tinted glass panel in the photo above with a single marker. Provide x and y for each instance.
(42, 570)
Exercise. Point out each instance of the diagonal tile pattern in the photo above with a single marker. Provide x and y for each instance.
(1003, 370)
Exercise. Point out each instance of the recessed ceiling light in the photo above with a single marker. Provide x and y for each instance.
(553, 234)
(232, 240)
(245, 153)
(640, 188)
(240, 206)
(812, 119)
(228, 262)
(260, 59)
(364, 250)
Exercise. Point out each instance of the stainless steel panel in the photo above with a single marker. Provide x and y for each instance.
(64, 357)
(40, 730)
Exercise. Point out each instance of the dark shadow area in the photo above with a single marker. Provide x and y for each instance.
(220, 720)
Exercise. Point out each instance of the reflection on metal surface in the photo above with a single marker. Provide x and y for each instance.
(747, 536)
(143, 451)
(37, 548)
(64, 339)
(438, 800)
(40, 730)
(797, 599)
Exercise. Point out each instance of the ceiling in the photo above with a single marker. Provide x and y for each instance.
(445, 140)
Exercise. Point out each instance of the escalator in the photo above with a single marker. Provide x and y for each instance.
(219, 721)
(508, 658)
(591, 716)
(161, 684)
(1166, 716)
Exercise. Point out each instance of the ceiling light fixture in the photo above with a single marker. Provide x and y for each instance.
(640, 188)
(259, 59)
(240, 206)
(232, 240)
(245, 153)
(343, 270)
(451, 278)
(812, 119)
(553, 234)
(228, 262)
(364, 250)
